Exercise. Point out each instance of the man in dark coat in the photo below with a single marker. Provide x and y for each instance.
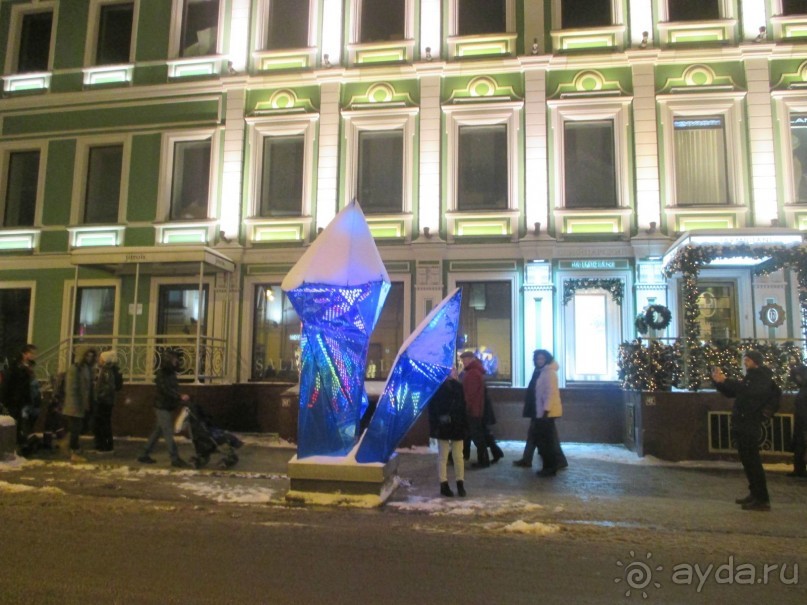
(166, 403)
(755, 396)
(22, 397)
(799, 376)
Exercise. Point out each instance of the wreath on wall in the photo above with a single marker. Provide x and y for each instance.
(640, 324)
(615, 286)
(657, 317)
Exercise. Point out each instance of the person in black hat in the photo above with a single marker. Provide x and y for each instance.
(755, 397)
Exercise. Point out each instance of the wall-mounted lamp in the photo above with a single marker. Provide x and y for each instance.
(535, 46)
(537, 228)
(428, 53)
(643, 43)
(761, 35)
(651, 229)
(427, 232)
(326, 60)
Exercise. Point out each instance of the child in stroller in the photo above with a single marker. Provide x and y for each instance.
(207, 439)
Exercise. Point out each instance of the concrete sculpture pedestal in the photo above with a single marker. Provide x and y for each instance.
(342, 481)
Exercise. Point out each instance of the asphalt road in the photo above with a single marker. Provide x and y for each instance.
(112, 531)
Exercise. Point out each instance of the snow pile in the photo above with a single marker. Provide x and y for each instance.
(465, 506)
(230, 494)
(533, 529)
(17, 488)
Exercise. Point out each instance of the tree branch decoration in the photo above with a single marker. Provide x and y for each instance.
(614, 285)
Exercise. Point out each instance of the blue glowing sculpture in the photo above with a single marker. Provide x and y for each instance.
(423, 363)
(338, 288)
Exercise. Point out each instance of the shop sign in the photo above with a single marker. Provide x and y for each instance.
(593, 264)
(772, 315)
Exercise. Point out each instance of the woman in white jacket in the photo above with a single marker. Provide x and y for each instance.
(548, 407)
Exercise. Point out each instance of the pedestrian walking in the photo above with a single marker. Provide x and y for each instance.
(755, 398)
(548, 407)
(473, 389)
(166, 402)
(529, 411)
(448, 424)
(109, 382)
(799, 375)
(79, 396)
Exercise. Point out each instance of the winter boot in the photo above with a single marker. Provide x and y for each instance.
(461, 489)
(496, 451)
(445, 490)
(482, 459)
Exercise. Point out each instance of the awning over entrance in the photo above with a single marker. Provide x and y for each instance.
(734, 238)
(173, 260)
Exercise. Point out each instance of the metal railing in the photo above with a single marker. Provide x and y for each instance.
(775, 437)
(202, 359)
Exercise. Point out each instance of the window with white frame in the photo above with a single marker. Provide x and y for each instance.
(380, 159)
(703, 150)
(382, 20)
(15, 319)
(187, 175)
(591, 153)
(94, 311)
(585, 13)
(482, 181)
(275, 336)
(379, 176)
(474, 17)
(694, 10)
(794, 7)
(589, 164)
(701, 173)
(31, 43)
(113, 42)
(21, 191)
(103, 184)
(288, 24)
(483, 144)
(199, 28)
(798, 155)
(281, 175)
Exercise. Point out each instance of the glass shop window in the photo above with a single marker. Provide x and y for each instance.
(15, 314)
(95, 312)
(717, 310)
(180, 309)
(275, 336)
(486, 324)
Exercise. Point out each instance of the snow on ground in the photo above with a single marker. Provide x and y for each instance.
(16, 488)
(230, 494)
(465, 506)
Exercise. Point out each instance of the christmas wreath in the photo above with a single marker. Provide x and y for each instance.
(657, 317)
(640, 323)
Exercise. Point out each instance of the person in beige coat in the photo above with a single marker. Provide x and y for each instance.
(79, 396)
(548, 407)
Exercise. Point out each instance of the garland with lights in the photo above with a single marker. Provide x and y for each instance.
(615, 286)
(690, 259)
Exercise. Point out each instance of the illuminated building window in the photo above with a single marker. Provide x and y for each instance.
(701, 175)
(589, 164)
(187, 175)
(95, 311)
(486, 326)
(482, 182)
(21, 187)
(275, 336)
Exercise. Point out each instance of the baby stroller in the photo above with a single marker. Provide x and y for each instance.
(207, 439)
